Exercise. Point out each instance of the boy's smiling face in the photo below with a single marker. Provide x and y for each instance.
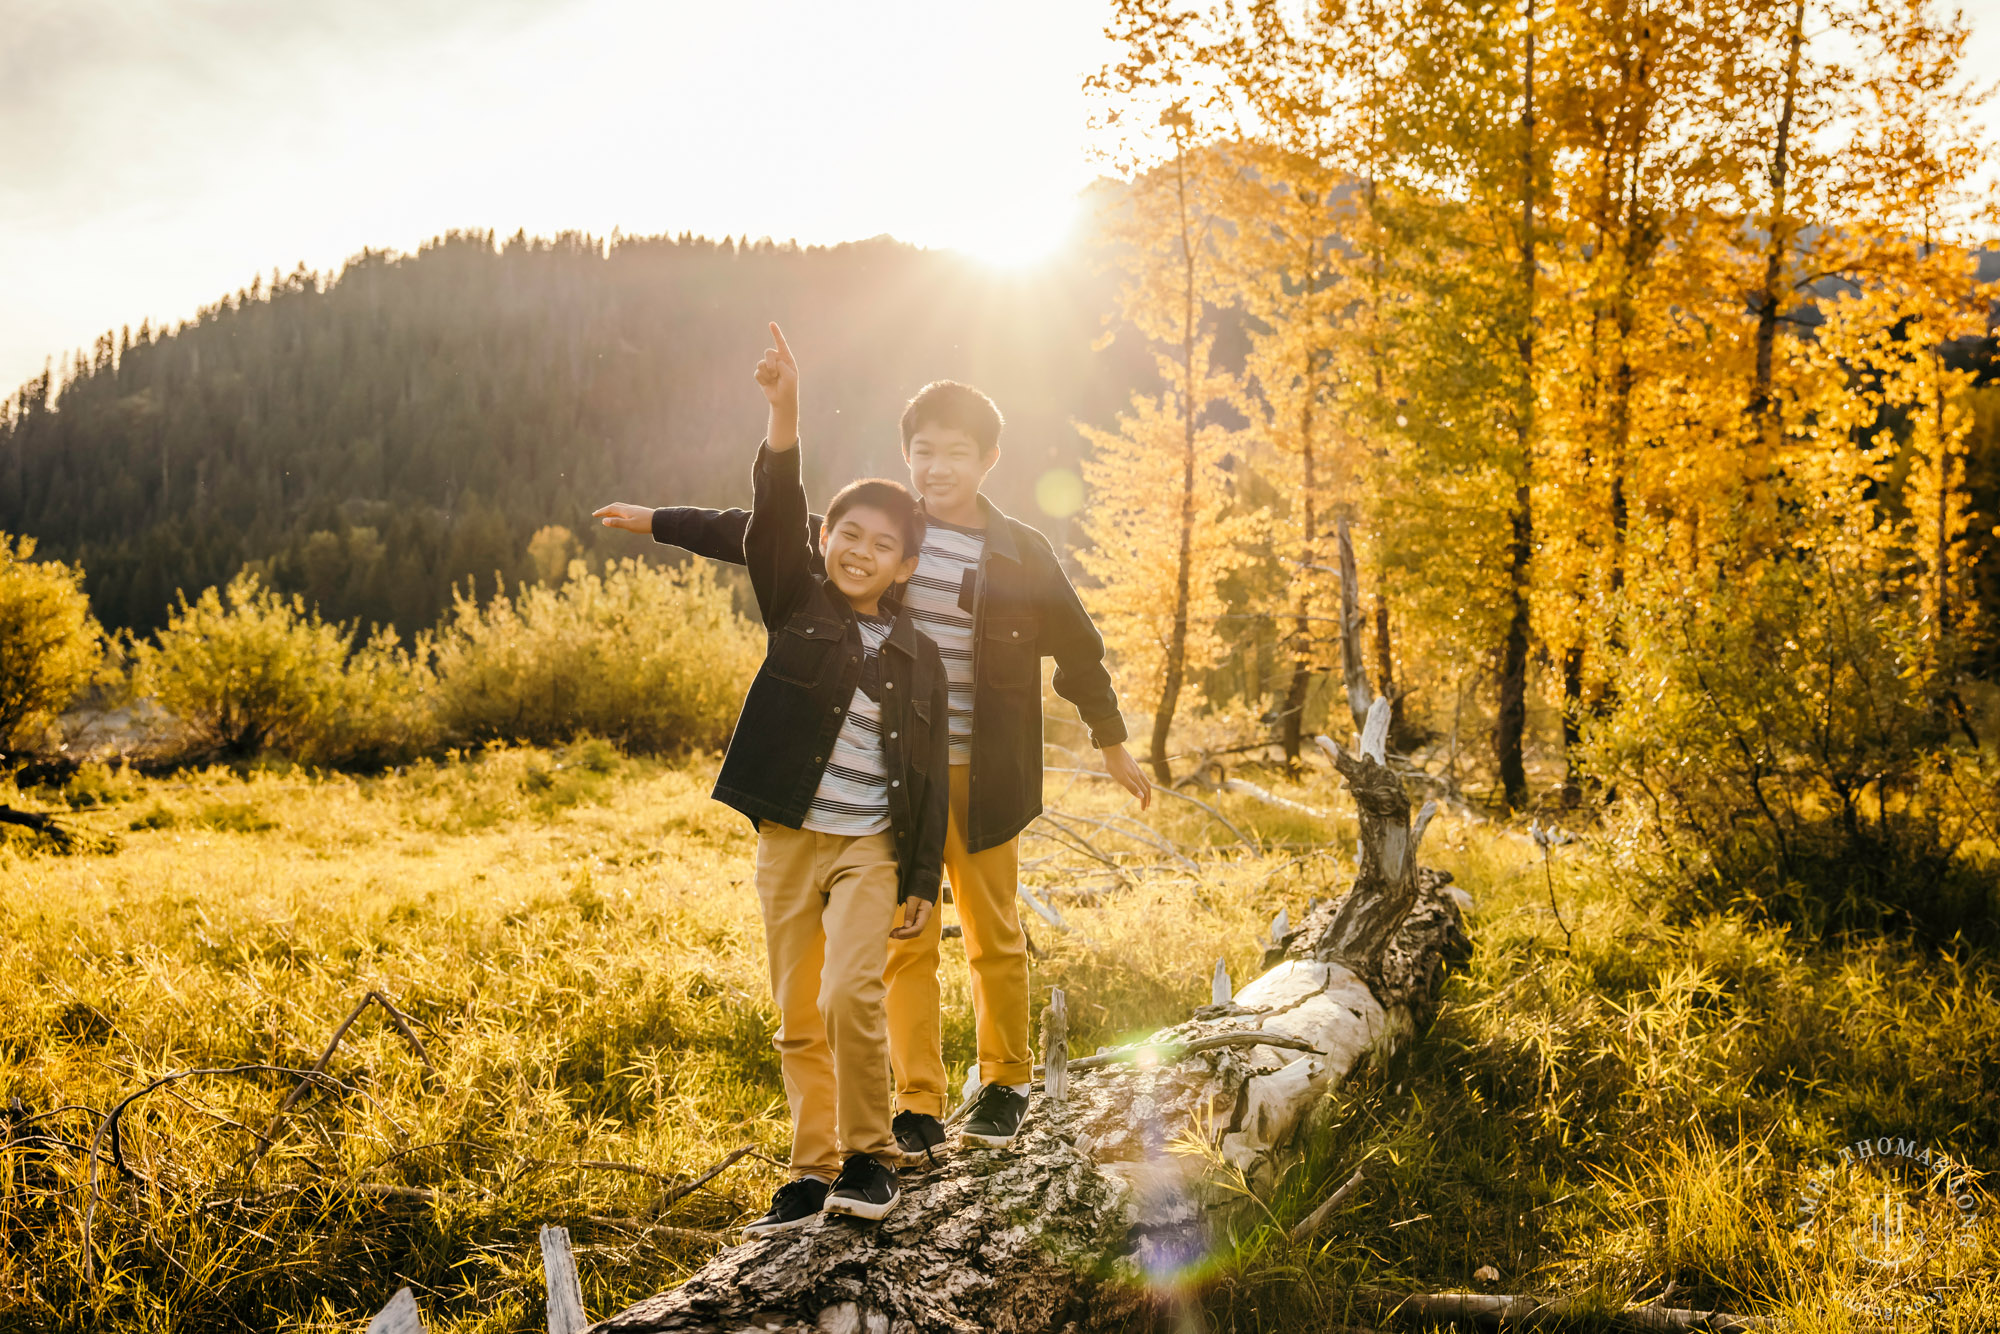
(947, 468)
(864, 555)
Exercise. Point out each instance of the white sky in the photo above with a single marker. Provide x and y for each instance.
(156, 154)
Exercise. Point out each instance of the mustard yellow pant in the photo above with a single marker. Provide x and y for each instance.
(982, 886)
(829, 902)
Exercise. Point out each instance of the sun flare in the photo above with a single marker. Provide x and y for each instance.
(1017, 233)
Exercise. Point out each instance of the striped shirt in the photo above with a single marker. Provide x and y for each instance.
(940, 602)
(853, 795)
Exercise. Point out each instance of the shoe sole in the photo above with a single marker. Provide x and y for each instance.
(861, 1208)
(922, 1157)
(775, 1229)
(989, 1141)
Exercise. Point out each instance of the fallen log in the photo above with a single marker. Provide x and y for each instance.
(1106, 1200)
(1475, 1310)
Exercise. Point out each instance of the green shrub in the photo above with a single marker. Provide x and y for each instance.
(248, 671)
(1786, 737)
(237, 817)
(384, 708)
(654, 659)
(50, 645)
(97, 784)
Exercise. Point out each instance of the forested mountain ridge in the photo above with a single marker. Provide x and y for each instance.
(377, 435)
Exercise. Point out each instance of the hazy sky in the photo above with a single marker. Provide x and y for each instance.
(156, 154)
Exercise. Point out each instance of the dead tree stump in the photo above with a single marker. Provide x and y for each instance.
(1092, 1215)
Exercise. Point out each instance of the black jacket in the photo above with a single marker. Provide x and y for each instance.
(811, 666)
(1024, 609)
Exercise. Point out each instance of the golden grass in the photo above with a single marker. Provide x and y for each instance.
(574, 937)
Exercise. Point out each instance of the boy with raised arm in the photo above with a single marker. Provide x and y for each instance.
(839, 759)
(992, 593)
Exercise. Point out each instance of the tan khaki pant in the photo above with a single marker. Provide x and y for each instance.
(982, 886)
(829, 902)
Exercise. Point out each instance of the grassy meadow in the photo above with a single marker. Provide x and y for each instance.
(1618, 1096)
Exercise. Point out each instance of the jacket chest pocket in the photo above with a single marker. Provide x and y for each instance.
(800, 651)
(1009, 656)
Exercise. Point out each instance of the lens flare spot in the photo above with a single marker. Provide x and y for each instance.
(1059, 493)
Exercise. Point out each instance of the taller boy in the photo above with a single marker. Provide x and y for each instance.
(991, 592)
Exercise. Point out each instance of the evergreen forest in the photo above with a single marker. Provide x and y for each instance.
(371, 438)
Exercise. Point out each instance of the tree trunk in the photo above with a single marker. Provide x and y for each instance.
(1763, 419)
(1572, 724)
(1941, 608)
(1292, 724)
(1090, 1220)
(1512, 722)
(1385, 671)
(1170, 693)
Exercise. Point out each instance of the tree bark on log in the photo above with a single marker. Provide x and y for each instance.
(1103, 1203)
(1474, 1310)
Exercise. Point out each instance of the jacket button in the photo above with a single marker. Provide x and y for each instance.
(837, 708)
(815, 759)
(895, 782)
(1015, 633)
(892, 736)
(809, 629)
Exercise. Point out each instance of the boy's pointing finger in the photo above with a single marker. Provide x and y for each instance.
(783, 349)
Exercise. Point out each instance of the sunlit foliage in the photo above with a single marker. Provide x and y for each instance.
(50, 645)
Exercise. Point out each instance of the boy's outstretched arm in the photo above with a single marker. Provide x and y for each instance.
(716, 534)
(719, 534)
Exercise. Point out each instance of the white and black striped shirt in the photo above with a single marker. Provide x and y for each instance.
(950, 554)
(853, 795)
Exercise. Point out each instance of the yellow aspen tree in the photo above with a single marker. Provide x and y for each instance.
(1510, 725)
(1160, 519)
(1784, 94)
(1912, 214)
(1922, 160)
(1473, 143)
(1464, 228)
(1307, 86)
(1438, 327)
(1288, 376)
(1639, 196)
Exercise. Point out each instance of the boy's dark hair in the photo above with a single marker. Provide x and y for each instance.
(959, 406)
(892, 498)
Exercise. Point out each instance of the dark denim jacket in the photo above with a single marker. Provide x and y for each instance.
(799, 698)
(1024, 609)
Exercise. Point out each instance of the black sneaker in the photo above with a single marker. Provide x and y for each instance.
(796, 1204)
(918, 1135)
(865, 1188)
(996, 1117)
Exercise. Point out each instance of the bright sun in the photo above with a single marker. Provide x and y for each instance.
(1016, 233)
